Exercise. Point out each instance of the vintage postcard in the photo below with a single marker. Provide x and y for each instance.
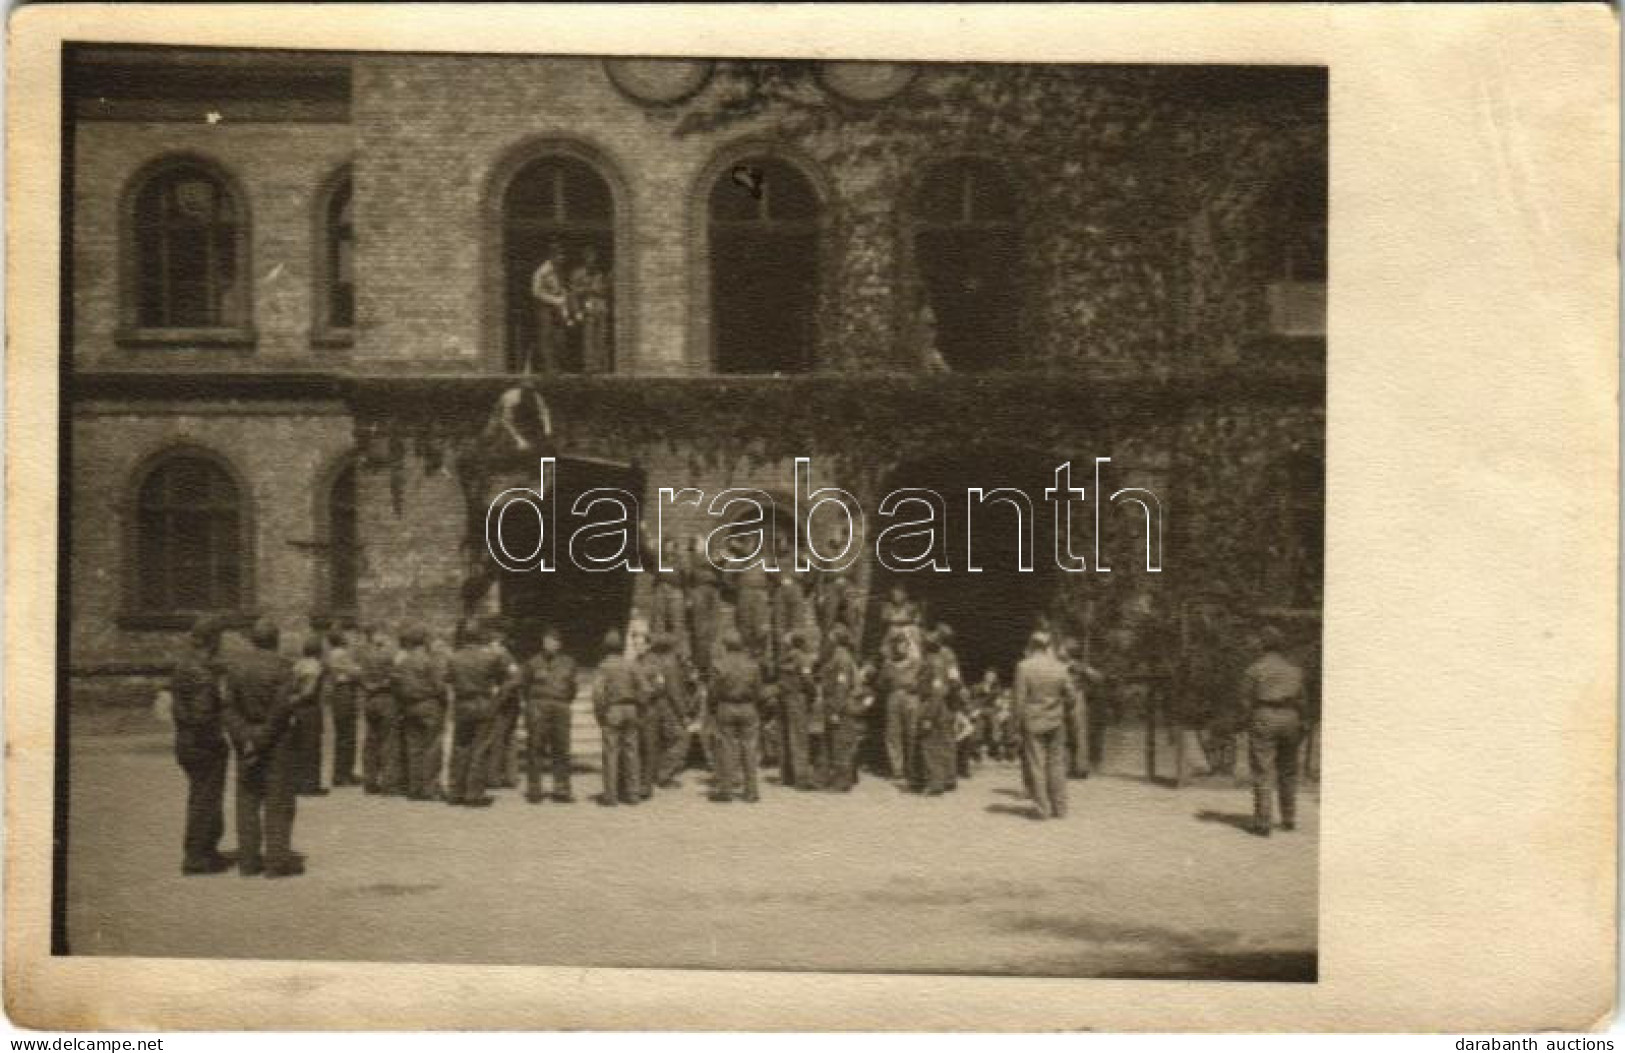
(939, 518)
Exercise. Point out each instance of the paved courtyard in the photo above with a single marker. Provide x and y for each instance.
(1139, 880)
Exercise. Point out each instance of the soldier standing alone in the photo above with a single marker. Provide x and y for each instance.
(1272, 690)
(1043, 691)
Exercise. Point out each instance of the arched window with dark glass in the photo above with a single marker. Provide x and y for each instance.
(764, 221)
(343, 542)
(967, 248)
(558, 246)
(338, 257)
(189, 234)
(189, 538)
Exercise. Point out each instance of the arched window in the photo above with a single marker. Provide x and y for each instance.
(336, 291)
(558, 247)
(763, 216)
(967, 249)
(343, 542)
(189, 528)
(190, 236)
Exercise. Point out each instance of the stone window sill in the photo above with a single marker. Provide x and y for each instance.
(213, 336)
(333, 339)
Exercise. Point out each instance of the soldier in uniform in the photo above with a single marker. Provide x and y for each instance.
(797, 689)
(1080, 726)
(737, 687)
(381, 752)
(668, 608)
(477, 676)
(500, 757)
(704, 607)
(200, 748)
(615, 704)
(1272, 690)
(550, 691)
(791, 611)
(899, 681)
(343, 675)
(899, 614)
(663, 714)
(934, 720)
(257, 712)
(420, 692)
(1043, 691)
(843, 701)
(753, 609)
(309, 680)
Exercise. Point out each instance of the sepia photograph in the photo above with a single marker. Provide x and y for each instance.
(719, 513)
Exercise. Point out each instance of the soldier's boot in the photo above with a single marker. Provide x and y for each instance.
(1261, 811)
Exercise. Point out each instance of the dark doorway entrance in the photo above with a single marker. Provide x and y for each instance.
(581, 604)
(764, 268)
(991, 612)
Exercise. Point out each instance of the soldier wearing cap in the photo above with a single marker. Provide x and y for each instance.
(900, 683)
(797, 690)
(843, 703)
(549, 679)
(934, 718)
(736, 686)
(668, 608)
(200, 747)
(382, 758)
(753, 607)
(662, 715)
(615, 704)
(704, 607)
(257, 710)
(421, 693)
(477, 676)
(1043, 691)
(500, 756)
(343, 676)
(1272, 692)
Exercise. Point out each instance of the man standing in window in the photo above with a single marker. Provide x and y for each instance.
(200, 747)
(589, 293)
(553, 315)
(258, 714)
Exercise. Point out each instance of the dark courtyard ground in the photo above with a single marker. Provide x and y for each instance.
(1139, 880)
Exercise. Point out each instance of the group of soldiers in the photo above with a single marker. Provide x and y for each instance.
(781, 683)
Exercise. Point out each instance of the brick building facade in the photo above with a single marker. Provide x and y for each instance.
(299, 285)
